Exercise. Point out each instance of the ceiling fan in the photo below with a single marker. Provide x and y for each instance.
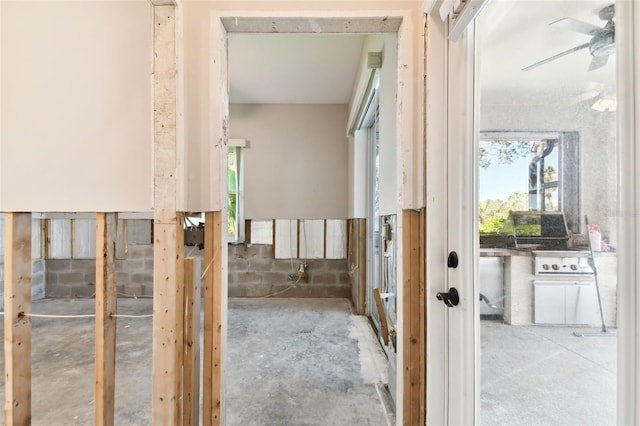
(601, 45)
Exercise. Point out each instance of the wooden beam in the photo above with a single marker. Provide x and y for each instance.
(17, 326)
(212, 356)
(191, 372)
(384, 328)
(106, 308)
(414, 338)
(168, 234)
(168, 322)
(362, 265)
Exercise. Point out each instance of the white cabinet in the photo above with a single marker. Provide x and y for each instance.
(565, 302)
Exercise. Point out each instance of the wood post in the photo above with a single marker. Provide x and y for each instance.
(414, 314)
(17, 326)
(212, 367)
(106, 308)
(168, 257)
(191, 381)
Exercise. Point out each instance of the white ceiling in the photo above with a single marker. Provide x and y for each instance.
(293, 68)
(321, 68)
(515, 34)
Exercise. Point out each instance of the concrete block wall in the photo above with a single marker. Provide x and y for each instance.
(254, 272)
(73, 278)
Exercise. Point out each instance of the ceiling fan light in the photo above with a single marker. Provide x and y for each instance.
(605, 104)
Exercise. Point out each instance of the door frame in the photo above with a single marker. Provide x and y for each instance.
(409, 130)
(461, 403)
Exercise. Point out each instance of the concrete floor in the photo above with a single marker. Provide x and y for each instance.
(290, 362)
(311, 362)
(546, 376)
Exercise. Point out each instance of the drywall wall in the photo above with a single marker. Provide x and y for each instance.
(199, 46)
(598, 159)
(357, 183)
(295, 165)
(76, 130)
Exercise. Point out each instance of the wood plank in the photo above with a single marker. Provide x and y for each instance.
(212, 355)
(382, 315)
(413, 318)
(362, 264)
(191, 372)
(168, 322)
(106, 308)
(17, 326)
(168, 275)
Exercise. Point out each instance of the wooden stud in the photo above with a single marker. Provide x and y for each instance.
(168, 234)
(212, 356)
(362, 265)
(17, 326)
(191, 372)
(168, 322)
(414, 339)
(106, 308)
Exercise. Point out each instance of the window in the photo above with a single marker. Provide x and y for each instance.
(235, 218)
(528, 171)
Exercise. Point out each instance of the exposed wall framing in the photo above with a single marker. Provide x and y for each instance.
(106, 308)
(414, 337)
(17, 326)
(213, 293)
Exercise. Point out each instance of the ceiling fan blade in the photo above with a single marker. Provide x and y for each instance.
(554, 57)
(598, 62)
(577, 26)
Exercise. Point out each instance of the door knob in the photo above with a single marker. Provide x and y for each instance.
(451, 298)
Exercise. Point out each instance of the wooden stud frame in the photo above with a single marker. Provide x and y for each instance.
(106, 308)
(414, 337)
(17, 326)
(191, 376)
(213, 293)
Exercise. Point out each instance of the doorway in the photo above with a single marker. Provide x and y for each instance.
(234, 21)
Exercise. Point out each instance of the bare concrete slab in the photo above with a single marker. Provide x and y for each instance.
(290, 362)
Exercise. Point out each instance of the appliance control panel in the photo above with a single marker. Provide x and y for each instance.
(561, 263)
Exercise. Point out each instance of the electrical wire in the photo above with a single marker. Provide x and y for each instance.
(81, 315)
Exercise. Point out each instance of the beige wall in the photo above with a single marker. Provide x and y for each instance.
(76, 130)
(296, 162)
(201, 139)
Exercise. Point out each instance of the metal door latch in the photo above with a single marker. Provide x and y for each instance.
(450, 298)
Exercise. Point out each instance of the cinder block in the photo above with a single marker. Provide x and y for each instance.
(246, 278)
(58, 291)
(134, 265)
(265, 250)
(261, 265)
(58, 265)
(276, 278)
(37, 266)
(134, 290)
(261, 290)
(323, 277)
(123, 278)
(142, 278)
(140, 251)
(344, 278)
(82, 265)
(83, 291)
(236, 264)
(285, 266)
(317, 264)
(71, 277)
(51, 278)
